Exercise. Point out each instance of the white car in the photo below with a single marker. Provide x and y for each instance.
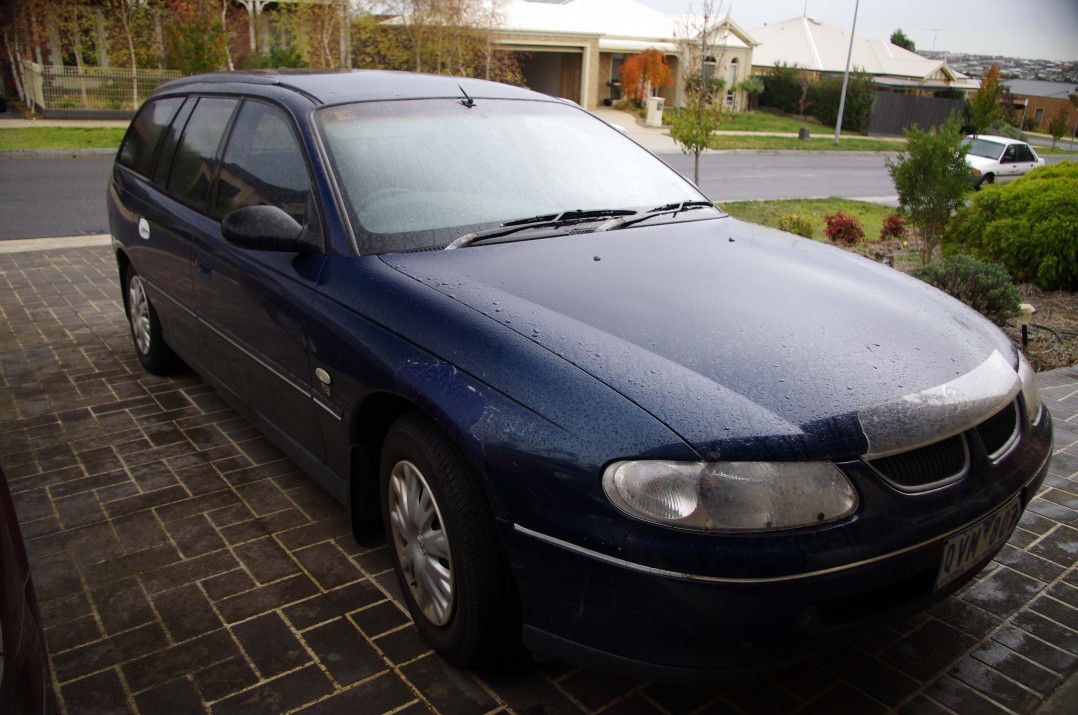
(993, 159)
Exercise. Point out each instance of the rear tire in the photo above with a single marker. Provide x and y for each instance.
(445, 548)
(151, 349)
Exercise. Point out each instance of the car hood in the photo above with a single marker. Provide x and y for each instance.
(981, 162)
(748, 342)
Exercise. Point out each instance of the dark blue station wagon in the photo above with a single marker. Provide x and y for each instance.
(593, 414)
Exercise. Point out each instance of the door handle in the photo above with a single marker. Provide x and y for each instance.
(202, 268)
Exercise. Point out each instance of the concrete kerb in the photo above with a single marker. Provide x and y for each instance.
(28, 245)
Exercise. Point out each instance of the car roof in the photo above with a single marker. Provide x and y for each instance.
(335, 87)
(994, 138)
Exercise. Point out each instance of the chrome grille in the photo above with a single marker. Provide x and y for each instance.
(948, 460)
(927, 467)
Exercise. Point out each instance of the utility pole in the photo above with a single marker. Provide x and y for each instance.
(846, 76)
(935, 33)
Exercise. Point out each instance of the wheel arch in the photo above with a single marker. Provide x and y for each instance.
(370, 420)
(123, 262)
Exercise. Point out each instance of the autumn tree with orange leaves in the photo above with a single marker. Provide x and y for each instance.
(643, 74)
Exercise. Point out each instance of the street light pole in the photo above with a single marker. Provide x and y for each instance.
(846, 76)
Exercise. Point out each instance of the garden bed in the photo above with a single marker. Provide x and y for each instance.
(1053, 336)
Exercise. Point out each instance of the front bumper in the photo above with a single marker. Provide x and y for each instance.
(626, 617)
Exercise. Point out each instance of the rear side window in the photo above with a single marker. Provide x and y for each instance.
(196, 156)
(263, 164)
(137, 152)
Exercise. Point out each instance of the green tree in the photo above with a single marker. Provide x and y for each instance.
(752, 85)
(782, 87)
(1057, 125)
(932, 178)
(860, 99)
(984, 106)
(898, 37)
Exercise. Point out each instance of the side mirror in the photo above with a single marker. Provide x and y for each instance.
(266, 228)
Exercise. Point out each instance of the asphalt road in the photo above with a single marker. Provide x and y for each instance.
(45, 197)
(743, 177)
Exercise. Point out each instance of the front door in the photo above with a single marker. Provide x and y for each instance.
(254, 305)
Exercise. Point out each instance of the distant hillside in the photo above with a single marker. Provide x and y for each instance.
(1010, 67)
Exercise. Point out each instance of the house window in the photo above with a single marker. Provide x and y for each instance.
(731, 73)
(615, 67)
(1038, 116)
(616, 62)
(709, 68)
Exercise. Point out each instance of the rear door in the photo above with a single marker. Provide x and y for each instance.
(1008, 164)
(1025, 159)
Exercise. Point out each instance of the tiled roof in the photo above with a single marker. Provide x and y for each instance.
(822, 47)
(625, 19)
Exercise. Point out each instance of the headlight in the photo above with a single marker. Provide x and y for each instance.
(1031, 393)
(975, 172)
(731, 496)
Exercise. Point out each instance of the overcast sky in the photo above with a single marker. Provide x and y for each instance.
(1034, 29)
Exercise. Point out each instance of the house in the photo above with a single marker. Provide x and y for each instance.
(1037, 102)
(574, 48)
(822, 49)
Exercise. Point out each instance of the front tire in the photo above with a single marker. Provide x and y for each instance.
(445, 548)
(153, 352)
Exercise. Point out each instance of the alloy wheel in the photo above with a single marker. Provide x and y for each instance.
(421, 543)
(138, 307)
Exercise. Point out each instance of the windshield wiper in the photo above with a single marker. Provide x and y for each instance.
(565, 218)
(674, 208)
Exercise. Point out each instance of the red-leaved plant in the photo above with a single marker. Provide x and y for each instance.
(894, 226)
(843, 229)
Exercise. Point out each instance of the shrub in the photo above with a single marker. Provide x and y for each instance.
(894, 226)
(782, 87)
(860, 99)
(985, 287)
(1029, 226)
(932, 179)
(843, 229)
(797, 223)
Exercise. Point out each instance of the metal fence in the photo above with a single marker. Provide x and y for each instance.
(894, 112)
(69, 91)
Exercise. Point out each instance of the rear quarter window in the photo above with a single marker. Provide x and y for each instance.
(140, 143)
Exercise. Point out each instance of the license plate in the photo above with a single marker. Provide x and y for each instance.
(969, 547)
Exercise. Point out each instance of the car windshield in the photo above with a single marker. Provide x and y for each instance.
(417, 174)
(984, 148)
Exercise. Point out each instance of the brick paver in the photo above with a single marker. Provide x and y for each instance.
(183, 564)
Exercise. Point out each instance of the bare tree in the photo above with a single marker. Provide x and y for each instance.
(703, 40)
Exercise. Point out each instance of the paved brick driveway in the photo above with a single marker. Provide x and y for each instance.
(184, 565)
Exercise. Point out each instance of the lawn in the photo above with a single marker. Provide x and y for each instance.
(763, 121)
(817, 143)
(61, 138)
